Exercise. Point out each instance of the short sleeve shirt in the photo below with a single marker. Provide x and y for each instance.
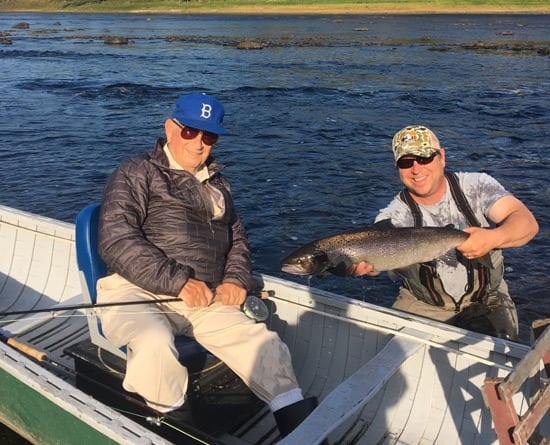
(481, 191)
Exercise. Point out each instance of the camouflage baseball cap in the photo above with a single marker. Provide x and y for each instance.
(415, 140)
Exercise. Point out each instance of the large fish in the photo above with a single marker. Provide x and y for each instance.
(385, 248)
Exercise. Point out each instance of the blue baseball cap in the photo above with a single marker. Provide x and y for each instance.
(201, 111)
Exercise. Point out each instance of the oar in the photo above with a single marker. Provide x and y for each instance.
(253, 306)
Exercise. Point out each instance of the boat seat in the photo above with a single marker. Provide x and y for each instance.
(91, 268)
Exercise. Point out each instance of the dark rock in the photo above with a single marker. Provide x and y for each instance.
(21, 25)
(114, 40)
(250, 44)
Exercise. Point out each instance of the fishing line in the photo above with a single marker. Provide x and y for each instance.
(38, 232)
(159, 421)
(399, 333)
(179, 430)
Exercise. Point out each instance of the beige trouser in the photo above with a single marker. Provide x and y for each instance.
(254, 353)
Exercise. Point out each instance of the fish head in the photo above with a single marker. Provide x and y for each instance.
(306, 262)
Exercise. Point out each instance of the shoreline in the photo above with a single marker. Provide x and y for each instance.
(335, 9)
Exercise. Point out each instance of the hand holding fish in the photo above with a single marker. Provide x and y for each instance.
(479, 243)
(362, 268)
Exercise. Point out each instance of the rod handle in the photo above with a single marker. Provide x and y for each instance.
(26, 349)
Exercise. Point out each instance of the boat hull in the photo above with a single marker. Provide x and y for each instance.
(381, 376)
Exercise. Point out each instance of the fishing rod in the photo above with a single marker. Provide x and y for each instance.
(89, 306)
(253, 306)
(30, 351)
(40, 356)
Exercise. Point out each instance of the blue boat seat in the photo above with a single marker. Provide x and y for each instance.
(92, 267)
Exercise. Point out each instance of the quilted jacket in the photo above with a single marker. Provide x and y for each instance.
(156, 227)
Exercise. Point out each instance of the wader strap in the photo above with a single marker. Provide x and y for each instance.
(426, 274)
(460, 199)
(415, 210)
(426, 271)
(456, 193)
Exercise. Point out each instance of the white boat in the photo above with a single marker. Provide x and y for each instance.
(381, 376)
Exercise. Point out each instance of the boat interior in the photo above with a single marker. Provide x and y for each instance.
(381, 376)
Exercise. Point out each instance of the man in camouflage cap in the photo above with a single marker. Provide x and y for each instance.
(415, 140)
(467, 290)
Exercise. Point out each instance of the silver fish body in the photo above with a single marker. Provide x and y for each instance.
(384, 248)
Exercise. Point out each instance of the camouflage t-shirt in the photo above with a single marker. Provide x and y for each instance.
(481, 191)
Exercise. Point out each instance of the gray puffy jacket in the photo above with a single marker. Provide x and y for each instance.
(156, 227)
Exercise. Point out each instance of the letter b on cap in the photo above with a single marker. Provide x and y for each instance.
(206, 111)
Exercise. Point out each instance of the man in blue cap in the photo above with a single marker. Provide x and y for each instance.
(168, 228)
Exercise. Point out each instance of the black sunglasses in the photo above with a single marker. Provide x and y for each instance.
(191, 133)
(408, 162)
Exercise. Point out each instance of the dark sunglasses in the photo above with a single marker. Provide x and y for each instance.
(191, 133)
(408, 162)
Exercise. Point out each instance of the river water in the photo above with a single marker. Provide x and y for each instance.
(311, 116)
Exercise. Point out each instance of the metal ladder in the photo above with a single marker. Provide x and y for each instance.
(512, 429)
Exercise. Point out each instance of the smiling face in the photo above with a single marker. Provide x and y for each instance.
(191, 154)
(426, 183)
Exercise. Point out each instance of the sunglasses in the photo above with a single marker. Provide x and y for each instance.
(408, 162)
(191, 133)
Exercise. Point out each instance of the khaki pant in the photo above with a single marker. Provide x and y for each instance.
(254, 353)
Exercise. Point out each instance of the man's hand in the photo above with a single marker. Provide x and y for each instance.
(361, 269)
(231, 294)
(196, 293)
(480, 242)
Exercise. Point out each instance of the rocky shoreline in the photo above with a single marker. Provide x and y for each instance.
(19, 30)
(264, 8)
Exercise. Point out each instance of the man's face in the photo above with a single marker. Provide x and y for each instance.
(425, 181)
(189, 146)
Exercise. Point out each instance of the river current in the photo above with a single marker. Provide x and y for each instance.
(311, 115)
(311, 112)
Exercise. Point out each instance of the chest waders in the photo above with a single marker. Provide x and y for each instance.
(428, 286)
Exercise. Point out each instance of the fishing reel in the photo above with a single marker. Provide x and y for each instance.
(254, 308)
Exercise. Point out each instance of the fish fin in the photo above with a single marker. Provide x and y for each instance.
(384, 224)
(407, 273)
(485, 260)
(394, 275)
(340, 269)
(451, 258)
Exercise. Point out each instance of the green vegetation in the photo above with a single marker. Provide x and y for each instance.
(273, 6)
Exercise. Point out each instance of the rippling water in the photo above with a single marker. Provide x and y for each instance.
(311, 115)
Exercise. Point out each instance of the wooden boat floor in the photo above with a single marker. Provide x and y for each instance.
(217, 399)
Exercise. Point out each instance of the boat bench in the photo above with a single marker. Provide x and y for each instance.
(356, 391)
(218, 401)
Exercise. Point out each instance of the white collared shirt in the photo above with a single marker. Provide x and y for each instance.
(216, 197)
